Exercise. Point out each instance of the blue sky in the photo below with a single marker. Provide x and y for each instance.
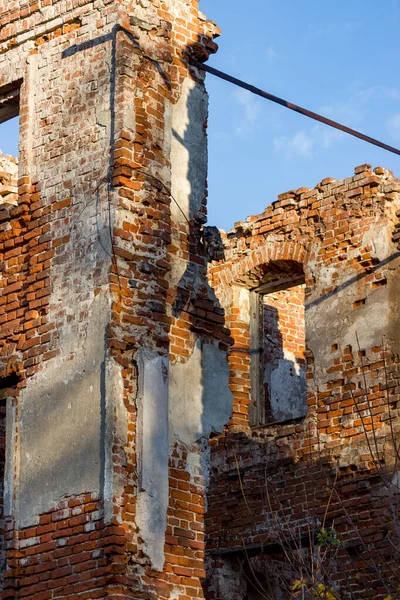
(339, 58)
(9, 137)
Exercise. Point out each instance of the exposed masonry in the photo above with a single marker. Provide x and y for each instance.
(129, 330)
(343, 235)
(283, 370)
(106, 314)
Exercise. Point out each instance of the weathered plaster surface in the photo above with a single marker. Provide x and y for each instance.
(10, 458)
(189, 150)
(114, 425)
(288, 389)
(335, 313)
(153, 454)
(200, 399)
(60, 426)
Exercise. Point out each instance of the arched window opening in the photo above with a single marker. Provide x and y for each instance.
(278, 341)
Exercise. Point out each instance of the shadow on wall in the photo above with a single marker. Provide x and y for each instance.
(284, 375)
(200, 398)
(268, 513)
(188, 209)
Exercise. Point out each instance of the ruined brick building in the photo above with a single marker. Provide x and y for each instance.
(154, 372)
(310, 290)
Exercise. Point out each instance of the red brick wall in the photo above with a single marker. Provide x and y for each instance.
(284, 323)
(152, 313)
(344, 235)
(284, 353)
(55, 245)
(127, 246)
(66, 555)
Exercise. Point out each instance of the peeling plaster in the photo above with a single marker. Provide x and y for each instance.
(346, 323)
(189, 141)
(200, 399)
(288, 388)
(115, 425)
(61, 423)
(152, 503)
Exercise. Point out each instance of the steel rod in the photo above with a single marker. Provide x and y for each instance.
(291, 106)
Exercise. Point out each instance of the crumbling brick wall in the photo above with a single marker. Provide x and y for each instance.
(113, 349)
(286, 308)
(343, 235)
(107, 308)
(283, 361)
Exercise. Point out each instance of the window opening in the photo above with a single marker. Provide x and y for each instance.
(8, 390)
(277, 339)
(255, 574)
(9, 139)
(3, 417)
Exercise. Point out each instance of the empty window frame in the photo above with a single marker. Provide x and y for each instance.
(277, 337)
(2, 479)
(8, 393)
(9, 139)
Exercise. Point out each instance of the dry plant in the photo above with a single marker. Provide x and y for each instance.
(336, 550)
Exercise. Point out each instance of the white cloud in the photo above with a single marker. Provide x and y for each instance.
(327, 136)
(271, 55)
(352, 25)
(352, 112)
(389, 93)
(348, 113)
(333, 28)
(301, 144)
(251, 108)
(363, 94)
(393, 125)
(304, 144)
(321, 31)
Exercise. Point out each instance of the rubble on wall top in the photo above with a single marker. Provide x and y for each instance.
(8, 179)
(364, 175)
